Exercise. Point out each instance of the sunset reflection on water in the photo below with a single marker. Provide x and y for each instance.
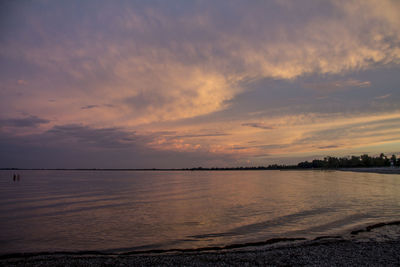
(136, 210)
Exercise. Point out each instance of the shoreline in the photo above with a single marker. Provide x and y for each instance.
(329, 253)
(381, 170)
(377, 244)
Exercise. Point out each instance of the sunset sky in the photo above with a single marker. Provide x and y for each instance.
(176, 84)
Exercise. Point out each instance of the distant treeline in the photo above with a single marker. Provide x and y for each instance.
(351, 162)
(363, 161)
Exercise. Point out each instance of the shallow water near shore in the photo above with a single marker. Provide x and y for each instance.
(119, 211)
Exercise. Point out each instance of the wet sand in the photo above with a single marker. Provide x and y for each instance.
(374, 245)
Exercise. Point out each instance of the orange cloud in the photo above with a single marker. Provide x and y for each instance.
(148, 81)
(154, 69)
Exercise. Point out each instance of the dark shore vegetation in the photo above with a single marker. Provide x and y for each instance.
(352, 162)
(363, 161)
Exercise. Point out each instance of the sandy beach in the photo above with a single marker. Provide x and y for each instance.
(374, 245)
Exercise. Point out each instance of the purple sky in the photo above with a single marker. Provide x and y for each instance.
(143, 84)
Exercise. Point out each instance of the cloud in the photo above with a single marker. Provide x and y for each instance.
(112, 138)
(78, 146)
(22, 82)
(89, 106)
(383, 96)
(258, 125)
(31, 121)
(332, 86)
(239, 147)
(156, 62)
(274, 146)
(352, 133)
(328, 147)
(202, 135)
(121, 82)
(98, 106)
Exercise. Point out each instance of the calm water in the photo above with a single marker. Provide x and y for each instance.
(124, 210)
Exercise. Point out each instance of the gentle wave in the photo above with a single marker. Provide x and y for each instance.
(104, 211)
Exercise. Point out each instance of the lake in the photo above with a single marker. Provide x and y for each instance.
(120, 211)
